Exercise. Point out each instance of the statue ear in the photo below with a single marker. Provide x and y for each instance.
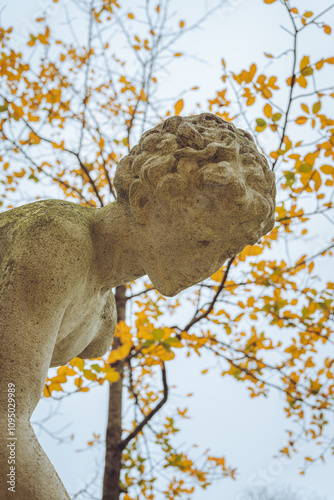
(138, 197)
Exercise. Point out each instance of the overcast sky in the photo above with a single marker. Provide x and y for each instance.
(249, 432)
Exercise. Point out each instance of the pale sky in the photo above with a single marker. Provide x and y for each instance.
(248, 432)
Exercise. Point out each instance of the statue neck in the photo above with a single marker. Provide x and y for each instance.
(114, 237)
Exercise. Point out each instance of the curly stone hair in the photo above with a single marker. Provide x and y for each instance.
(200, 151)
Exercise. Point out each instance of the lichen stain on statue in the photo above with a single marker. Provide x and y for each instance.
(193, 193)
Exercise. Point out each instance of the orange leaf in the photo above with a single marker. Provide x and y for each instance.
(178, 107)
(302, 81)
(305, 108)
(18, 112)
(20, 174)
(317, 180)
(319, 64)
(131, 16)
(112, 376)
(327, 169)
(304, 62)
(46, 391)
(268, 110)
(269, 1)
(301, 119)
(327, 29)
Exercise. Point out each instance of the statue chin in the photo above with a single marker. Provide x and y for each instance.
(170, 288)
(165, 286)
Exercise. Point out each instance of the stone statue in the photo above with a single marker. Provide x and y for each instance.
(194, 192)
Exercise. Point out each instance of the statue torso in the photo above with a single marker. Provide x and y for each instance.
(88, 322)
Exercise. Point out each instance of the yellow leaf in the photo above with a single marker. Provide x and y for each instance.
(181, 24)
(78, 382)
(310, 267)
(131, 16)
(250, 250)
(55, 387)
(59, 379)
(78, 362)
(18, 112)
(143, 96)
(317, 180)
(268, 110)
(301, 119)
(308, 13)
(66, 370)
(327, 169)
(112, 376)
(178, 107)
(20, 174)
(316, 107)
(89, 375)
(304, 62)
(46, 391)
(319, 64)
(33, 138)
(250, 301)
(305, 108)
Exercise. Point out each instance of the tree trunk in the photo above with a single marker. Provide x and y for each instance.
(113, 460)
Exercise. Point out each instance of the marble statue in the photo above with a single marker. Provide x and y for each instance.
(194, 192)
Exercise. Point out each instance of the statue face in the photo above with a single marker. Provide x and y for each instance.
(186, 240)
(184, 244)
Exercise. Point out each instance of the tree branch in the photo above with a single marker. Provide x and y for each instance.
(145, 421)
(196, 319)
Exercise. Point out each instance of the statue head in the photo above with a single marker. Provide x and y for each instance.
(199, 191)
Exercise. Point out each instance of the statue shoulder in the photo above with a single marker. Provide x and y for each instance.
(47, 233)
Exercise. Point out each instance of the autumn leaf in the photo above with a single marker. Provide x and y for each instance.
(301, 120)
(267, 110)
(112, 376)
(178, 107)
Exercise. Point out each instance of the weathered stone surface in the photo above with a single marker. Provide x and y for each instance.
(194, 192)
(198, 183)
